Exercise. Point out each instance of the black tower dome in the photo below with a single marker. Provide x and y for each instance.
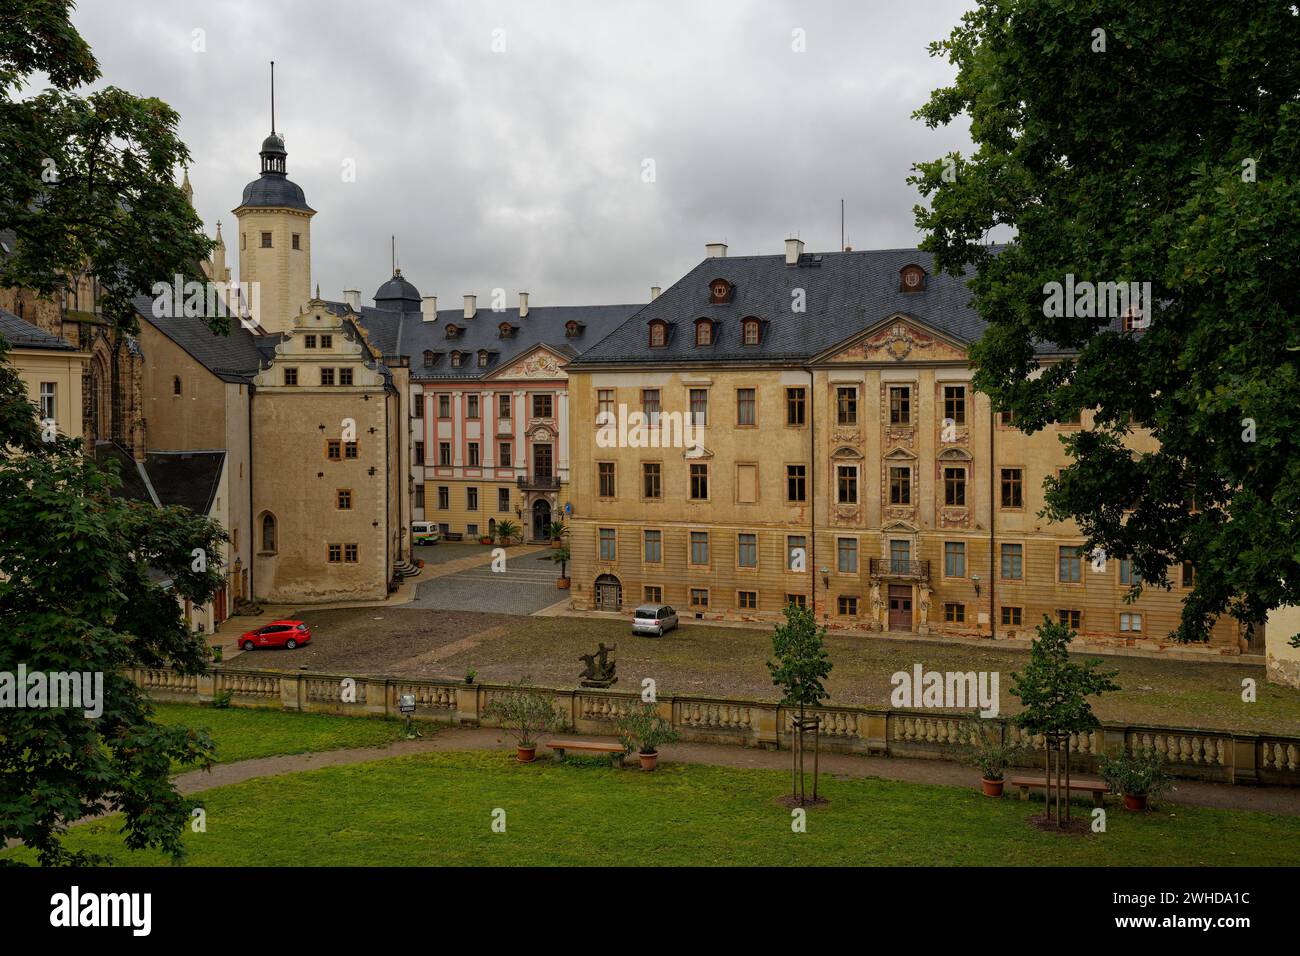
(273, 188)
(397, 295)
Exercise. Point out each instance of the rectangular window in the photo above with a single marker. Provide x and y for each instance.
(847, 605)
(846, 483)
(471, 406)
(291, 376)
(798, 600)
(652, 546)
(327, 341)
(343, 499)
(747, 550)
(334, 553)
(954, 613)
(266, 240)
(605, 474)
(700, 406)
(1069, 559)
(796, 552)
(417, 407)
(473, 454)
(327, 376)
(503, 499)
(505, 454)
(846, 405)
(652, 594)
(900, 485)
(604, 404)
(297, 241)
(954, 403)
(954, 487)
(1012, 616)
(747, 600)
(846, 555)
(444, 406)
(699, 482)
(1189, 574)
(419, 453)
(334, 449)
(1129, 621)
(1013, 562)
(542, 406)
(419, 496)
(900, 556)
(504, 407)
(350, 450)
(471, 499)
(350, 554)
(700, 598)
(900, 405)
(652, 480)
(700, 548)
(794, 406)
(1127, 574)
(1072, 418)
(608, 544)
(1070, 617)
(48, 404)
(954, 559)
(444, 453)
(796, 482)
(745, 406)
(1012, 488)
(309, 341)
(345, 376)
(650, 405)
(444, 498)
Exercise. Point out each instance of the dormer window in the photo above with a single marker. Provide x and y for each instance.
(428, 358)
(573, 328)
(751, 331)
(452, 330)
(911, 279)
(719, 291)
(455, 359)
(482, 358)
(658, 334)
(507, 330)
(703, 332)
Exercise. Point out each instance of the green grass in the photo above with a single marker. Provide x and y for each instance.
(243, 734)
(436, 809)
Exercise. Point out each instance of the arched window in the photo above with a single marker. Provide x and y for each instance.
(658, 335)
(176, 384)
(703, 332)
(751, 331)
(455, 360)
(482, 359)
(428, 358)
(268, 533)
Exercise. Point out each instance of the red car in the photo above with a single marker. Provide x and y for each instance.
(277, 634)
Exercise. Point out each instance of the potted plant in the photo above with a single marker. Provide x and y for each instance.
(1137, 776)
(642, 729)
(470, 675)
(526, 713)
(486, 537)
(507, 531)
(990, 754)
(561, 557)
(556, 530)
(216, 653)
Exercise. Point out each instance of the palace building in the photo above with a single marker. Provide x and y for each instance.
(843, 462)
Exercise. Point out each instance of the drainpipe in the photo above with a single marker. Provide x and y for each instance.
(812, 487)
(993, 525)
(252, 516)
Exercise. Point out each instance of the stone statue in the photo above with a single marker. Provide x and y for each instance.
(875, 603)
(598, 670)
(925, 605)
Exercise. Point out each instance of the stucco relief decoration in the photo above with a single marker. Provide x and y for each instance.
(954, 518)
(540, 365)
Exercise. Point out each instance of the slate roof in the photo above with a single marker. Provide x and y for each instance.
(275, 190)
(186, 478)
(845, 293)
(405, 333)
(21, 334)
(234, 357)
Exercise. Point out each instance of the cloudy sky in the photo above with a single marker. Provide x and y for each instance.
(507, 144)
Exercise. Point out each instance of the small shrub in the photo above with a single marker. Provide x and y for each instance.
(643, 730)
(221, 700)
(987, 751)
(525, 713)
(1136, 774)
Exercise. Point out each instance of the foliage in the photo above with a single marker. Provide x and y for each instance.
(507, 531)
(561, 557)
(1203, 204)
(1136, 774)
(525, 712)
(643, 729)
(988, 751)
(470, 674)
(222, 698)
(801, 659)
(1054, 690)
(556, 530)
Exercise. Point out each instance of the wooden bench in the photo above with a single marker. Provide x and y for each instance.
(615, 751)
(1098, 788)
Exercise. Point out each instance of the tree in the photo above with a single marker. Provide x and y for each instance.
(1054, 692)
(1156, 142)
(87, 184)
(800, 667)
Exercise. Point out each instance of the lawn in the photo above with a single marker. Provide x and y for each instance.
(242, 734)
(717, 661)
(437, 809)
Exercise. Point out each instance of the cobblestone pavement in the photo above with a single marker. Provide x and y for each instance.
(526, 585)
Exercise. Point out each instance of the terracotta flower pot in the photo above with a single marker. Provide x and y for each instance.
(649, 761)
(526, 754)
(1135, 801)
(562, 583)
(992, 788)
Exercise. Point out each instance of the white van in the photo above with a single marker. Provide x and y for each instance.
(424, 532)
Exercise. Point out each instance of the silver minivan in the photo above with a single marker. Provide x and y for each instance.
(653, 619)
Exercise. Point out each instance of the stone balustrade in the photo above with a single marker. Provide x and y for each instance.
(1191, 753)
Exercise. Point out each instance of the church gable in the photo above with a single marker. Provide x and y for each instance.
(897, 340)
(540, 362)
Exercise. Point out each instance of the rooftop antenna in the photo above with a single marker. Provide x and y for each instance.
(272, 96)
(841, 225)
(393, 253)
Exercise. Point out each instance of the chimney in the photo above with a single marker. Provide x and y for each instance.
(654, 292)
(716, 250)
(429, 308)
(352, 299)
(470, 308)
(793, 250)
(523, 305)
